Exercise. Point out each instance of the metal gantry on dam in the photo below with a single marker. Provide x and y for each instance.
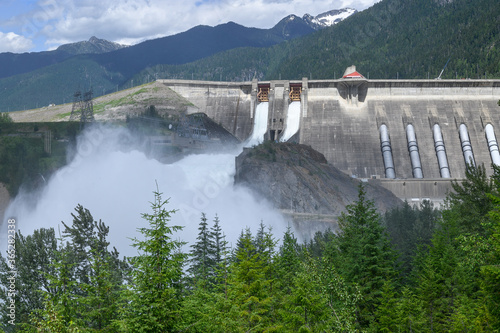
(413, 136)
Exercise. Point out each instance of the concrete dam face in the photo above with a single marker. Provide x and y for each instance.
(411, 135)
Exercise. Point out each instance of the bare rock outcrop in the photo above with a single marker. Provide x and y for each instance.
(298, 180)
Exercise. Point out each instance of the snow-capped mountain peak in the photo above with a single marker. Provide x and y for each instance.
(329, 18)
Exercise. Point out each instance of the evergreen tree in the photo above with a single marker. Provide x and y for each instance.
(86, 235)
(155, 291)
(490, 271)
(250, 286)
(51, 321)
(64, 288)
(220, 243)
(399, 313)
(86, 278)
(306, 306)
(437, 285)
(320, 243)
(448, 274)
(33, 255)
(100, 304)
(364, 254)
(220, 252)
(469, 202)
(203, 253)
(410, 228)
(288, 261)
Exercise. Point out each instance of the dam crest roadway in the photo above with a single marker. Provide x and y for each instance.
(411, 136)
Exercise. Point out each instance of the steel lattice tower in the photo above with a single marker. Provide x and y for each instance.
(83, 107)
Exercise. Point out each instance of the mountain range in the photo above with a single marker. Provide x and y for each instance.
(288, 28)
(391, 39)
(31, 80)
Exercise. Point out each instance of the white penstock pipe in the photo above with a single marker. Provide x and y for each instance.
(492, 144)
(466, 146)
(413, 150)
(444, 169)
(385, 144)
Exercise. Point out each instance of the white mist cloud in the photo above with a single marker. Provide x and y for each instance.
(116, 184)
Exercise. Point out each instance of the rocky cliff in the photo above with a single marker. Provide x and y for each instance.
(298, 180)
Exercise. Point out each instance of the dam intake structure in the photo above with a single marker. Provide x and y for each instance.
(413, 136)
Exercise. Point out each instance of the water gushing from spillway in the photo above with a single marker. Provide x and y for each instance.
(292, 121)
(259, 124)
(116, 184)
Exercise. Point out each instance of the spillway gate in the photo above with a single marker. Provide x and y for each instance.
(263, 94)
(295, 91)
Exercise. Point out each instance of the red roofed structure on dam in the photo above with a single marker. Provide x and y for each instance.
(351, 73)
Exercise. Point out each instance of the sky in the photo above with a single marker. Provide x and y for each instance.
(41, 25)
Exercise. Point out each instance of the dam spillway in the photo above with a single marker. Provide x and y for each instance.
(259, 124)
(292, 121)
(343, 120)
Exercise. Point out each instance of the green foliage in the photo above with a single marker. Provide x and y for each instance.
(490, 271)
(220, 245)
(344, 282)
(410, 228)
(67, 287)
(203, 253)
(155, 290)
(34, 254)
(470, 201)
(51, 321)
(399, 311)
(364, 255)
(342, 299)
(449, 280)
(288, 261)
(250, 283)
(306, 306)
(5, 118)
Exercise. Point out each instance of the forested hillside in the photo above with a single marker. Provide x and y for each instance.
(411, 270)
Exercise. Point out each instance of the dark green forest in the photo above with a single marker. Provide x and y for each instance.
(412, 269)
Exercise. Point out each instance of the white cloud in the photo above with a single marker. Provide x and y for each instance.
(11, 42)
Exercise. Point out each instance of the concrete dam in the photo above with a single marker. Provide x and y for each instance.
(412, 136)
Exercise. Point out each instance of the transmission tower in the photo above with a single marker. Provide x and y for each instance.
(77, 106)
(83, 107)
